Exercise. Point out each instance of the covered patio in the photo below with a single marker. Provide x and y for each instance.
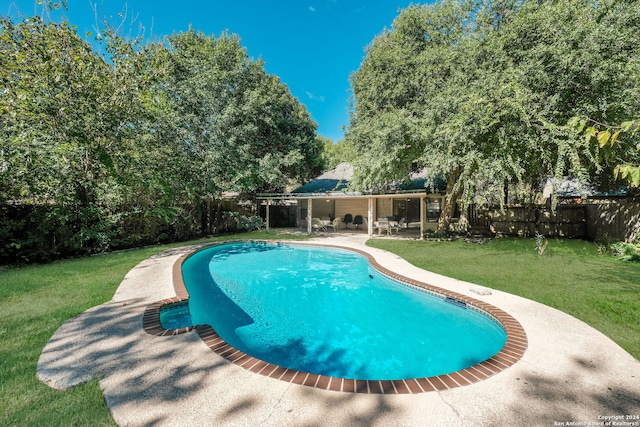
(384, 213)
(325, 204)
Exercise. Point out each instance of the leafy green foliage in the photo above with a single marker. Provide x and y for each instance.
(626, 251)
(541, 243)
(242, 128)
(616, 150)
(243, 222)
(121, 148)
(334, 153)
(480, 92)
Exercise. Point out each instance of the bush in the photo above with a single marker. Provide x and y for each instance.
(244, 222)
(541, 243)
(41, 233)
(31, 233)
(626, 251)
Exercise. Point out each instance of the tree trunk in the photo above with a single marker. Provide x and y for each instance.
(454, 191)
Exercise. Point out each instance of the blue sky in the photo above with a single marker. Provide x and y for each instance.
(312, 45)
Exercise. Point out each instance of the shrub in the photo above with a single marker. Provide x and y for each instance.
(244, 222)
(40, 233)
(541, 243)
(626, 251)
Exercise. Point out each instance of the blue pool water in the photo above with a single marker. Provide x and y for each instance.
(177, 316)
(326, 311)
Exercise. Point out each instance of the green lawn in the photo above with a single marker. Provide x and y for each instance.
(600, 290)
(34, 302)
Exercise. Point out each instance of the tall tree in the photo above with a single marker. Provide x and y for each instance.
(126, 142)
(53, 86)
(79, 132)
(336, 152)
(70, 118)
(243, 129)
(480, 92)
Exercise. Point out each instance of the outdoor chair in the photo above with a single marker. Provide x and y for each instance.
(335, 224)
(357, 221)
(316, 224)
(398, 226)
(348, 219)
(383, 225)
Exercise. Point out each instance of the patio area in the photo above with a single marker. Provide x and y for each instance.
(404, 233)
(326, 203)
(569, 373)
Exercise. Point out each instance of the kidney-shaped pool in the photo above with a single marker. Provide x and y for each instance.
(326, 311)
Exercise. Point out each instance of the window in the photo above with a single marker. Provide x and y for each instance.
(409, 209)
(434, 207)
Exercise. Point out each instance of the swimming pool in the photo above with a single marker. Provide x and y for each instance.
(326, 311)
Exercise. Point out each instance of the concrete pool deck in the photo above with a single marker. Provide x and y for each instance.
(570, 373)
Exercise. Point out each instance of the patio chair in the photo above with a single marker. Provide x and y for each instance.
(383, 225)
(398, 226)
(316, 224)
(357, 221)
(348, 219)
(335, 224)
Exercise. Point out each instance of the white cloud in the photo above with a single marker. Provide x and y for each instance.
(312, 9)
(314, 97)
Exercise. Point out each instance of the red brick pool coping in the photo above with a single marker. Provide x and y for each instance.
(511, 353)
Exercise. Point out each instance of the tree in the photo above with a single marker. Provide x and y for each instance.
(53, 85)
(480, 91)
(74, 126)
(422, 100)
(334, 153)
(70, 118)
(581, 69)
(123, 146)
(624, 156)
(242, 128)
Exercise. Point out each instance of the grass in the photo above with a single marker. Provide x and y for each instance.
(34, 302)
(602, 291)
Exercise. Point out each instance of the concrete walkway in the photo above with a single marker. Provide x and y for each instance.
(570, 372)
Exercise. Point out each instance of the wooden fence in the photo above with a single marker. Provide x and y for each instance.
(597, 219)
(617, 219)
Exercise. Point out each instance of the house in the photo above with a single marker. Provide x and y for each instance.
(569, 188)
(328, 197)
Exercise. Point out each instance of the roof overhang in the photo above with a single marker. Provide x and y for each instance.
(343, 195)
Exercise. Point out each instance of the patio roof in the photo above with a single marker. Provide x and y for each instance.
(336, 179)
(335, 184)
(340, 195)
